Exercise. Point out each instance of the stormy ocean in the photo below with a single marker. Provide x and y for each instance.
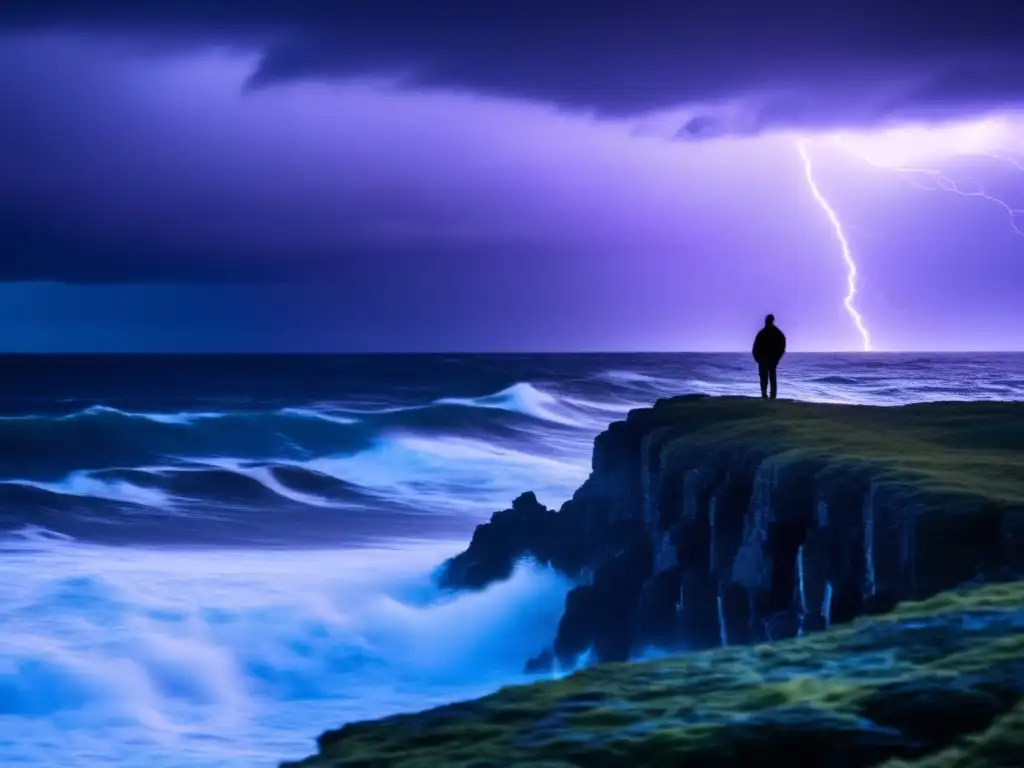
(206, 561)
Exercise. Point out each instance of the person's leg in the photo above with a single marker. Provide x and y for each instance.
(775, 381)
(762, 371)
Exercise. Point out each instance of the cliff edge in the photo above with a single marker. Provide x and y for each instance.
(717, 521)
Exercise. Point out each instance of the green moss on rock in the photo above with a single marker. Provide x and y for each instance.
(975, 449)
(935, 684)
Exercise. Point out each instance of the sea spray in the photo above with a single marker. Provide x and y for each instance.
(235, 658)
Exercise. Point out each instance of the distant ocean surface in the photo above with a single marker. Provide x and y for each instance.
(206, 561)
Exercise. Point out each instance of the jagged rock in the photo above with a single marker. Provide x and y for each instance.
(710, 521)
(528, 529)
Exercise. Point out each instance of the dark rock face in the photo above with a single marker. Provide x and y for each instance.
(528, 529)
(690, 549)
(594, 613)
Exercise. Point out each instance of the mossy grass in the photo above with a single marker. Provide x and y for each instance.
(974, 449)
(935, 684)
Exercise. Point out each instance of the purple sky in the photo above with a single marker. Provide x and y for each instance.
(492, 177)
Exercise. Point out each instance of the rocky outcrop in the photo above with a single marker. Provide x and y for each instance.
(528, 528)
(719, 521)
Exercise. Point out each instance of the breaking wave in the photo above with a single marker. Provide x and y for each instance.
(240, 658)
(453, 455)
(100, 433)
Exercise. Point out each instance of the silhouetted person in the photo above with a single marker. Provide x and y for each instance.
(769, 347)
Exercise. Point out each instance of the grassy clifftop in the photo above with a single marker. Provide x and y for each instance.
(937, 684)
(975, 448)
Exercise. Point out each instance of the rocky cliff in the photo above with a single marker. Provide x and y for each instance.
(721, 521)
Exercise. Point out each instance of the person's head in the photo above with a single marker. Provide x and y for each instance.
(769, 320)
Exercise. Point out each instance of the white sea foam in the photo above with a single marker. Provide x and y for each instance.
(262, 475)
(315, 413)
(86, 484)
(443, 474)
(185, 418)
(626, 377)
(521, 398)
(451, 474)
(182, 418)
(121, 657)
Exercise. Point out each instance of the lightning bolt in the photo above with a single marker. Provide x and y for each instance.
(844, 245)
(935, 179)
(928, 178)
(1006, 158)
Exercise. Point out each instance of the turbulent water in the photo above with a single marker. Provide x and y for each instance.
(207, 561)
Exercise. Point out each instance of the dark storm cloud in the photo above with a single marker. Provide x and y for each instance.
(131, 152)
(115, 169)
(803, 61)
(810, 110)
